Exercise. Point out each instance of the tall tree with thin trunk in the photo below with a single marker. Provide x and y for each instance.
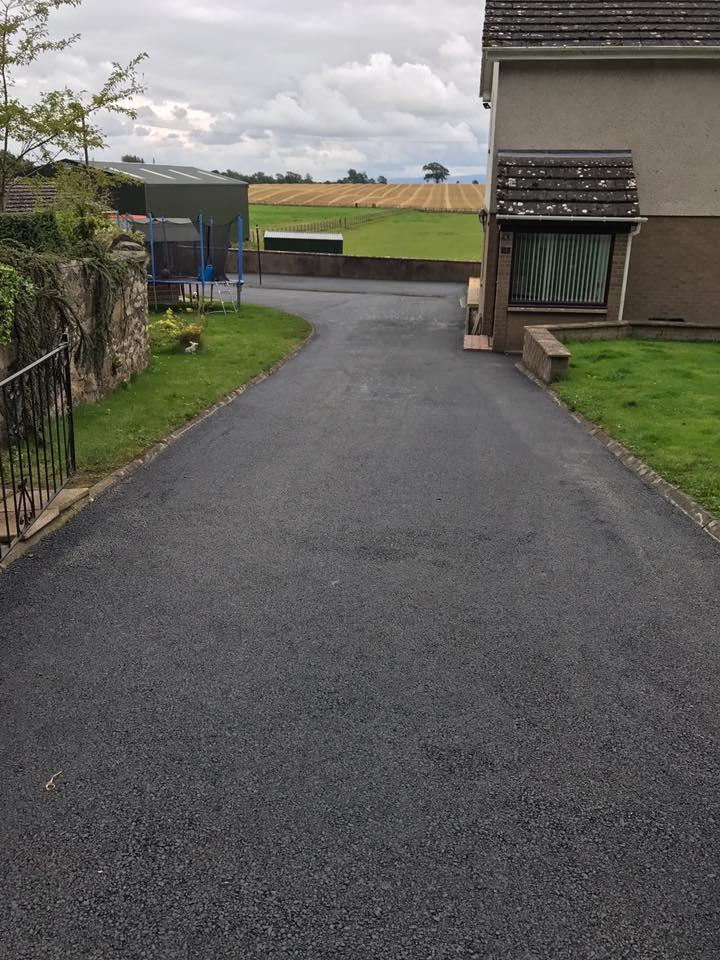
(60, 121)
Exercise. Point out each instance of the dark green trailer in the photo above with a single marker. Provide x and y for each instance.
(304, 242)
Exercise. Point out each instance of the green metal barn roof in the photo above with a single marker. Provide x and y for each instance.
(164, 174)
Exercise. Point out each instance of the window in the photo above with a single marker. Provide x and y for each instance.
(569, 269)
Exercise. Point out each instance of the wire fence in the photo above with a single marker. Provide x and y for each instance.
(323, 226)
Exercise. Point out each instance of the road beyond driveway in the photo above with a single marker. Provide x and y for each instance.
(387, 659)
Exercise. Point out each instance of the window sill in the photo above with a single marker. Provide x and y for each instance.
(591, 311)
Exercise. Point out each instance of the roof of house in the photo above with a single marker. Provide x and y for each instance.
(23, 197)
(167, 174)
(601, 23)
(567, 184)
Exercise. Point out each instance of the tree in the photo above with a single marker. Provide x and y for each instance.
(60, 120)
(382, 180)
(114, 96)
(436, 172)
(131, 158)
(356, 176)
(261, 177)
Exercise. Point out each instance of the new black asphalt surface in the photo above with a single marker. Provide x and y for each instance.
(387, 659)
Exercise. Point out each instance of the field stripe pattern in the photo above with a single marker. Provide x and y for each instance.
(452, 197)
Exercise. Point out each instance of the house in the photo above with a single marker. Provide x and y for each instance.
(22, 196)
(603, 198)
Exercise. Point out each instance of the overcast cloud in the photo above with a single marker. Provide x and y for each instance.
(309, 85)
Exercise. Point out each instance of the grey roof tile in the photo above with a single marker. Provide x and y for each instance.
(601, 23)
(24, 197)
(566, 184)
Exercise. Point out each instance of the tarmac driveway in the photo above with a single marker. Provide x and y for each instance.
(387, 659)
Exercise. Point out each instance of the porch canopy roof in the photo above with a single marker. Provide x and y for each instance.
(567, 185)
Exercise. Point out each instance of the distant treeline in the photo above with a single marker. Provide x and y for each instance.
(353, 176)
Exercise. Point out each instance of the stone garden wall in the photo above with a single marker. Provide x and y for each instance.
(128, 350)
(338, 266)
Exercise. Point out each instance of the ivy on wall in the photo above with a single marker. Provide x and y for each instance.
(41, 312)
(37, 231)
(13, 285)
(34, 310)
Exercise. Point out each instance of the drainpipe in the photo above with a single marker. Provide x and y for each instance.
(633, 233)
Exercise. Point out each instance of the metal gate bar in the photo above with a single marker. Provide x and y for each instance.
(37, 442)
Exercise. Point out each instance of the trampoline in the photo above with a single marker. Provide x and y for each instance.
(187, 264)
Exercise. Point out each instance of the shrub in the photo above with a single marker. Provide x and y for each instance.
(80, 208)
(37, 231)
(180, 330)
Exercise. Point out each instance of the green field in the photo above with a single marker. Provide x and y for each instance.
(662, 400)
(398, 233)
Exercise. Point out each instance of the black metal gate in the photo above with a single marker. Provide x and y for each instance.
(37, 442)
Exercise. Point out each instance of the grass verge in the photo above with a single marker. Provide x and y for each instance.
(661, 400)
(405, 233)
(176, 387)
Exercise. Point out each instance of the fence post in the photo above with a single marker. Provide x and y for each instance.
(259, 256)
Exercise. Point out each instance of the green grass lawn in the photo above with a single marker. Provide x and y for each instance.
(267, 216)
(662, 400)
(404, 233)
(177, 387)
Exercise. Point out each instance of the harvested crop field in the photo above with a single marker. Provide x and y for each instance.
(455, 197)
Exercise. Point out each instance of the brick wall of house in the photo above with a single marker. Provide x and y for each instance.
(510, 322)
(675, 271)
(489, 271)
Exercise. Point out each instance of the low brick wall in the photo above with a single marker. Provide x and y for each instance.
(128, 350)
(545, 355)
(338, 266)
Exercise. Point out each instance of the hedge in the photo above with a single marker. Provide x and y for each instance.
(38, 231)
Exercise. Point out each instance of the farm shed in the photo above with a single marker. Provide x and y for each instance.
(173, 191)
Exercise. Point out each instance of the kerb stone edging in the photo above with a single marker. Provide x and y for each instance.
(682, 501)
(24, 547)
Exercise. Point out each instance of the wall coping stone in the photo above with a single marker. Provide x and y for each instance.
(546, 356)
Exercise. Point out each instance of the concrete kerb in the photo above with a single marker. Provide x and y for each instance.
(95, 491)
(682, 501)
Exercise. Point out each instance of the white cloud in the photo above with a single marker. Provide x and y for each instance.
(298, 85)
(457, 47)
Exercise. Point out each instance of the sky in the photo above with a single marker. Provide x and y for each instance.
(314, 86)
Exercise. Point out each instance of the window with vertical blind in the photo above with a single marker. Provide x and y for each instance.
(561, 269)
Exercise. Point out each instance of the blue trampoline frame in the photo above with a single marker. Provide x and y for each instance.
(200, 282)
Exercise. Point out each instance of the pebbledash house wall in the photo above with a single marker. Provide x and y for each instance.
(668, 113)
(128, 351)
